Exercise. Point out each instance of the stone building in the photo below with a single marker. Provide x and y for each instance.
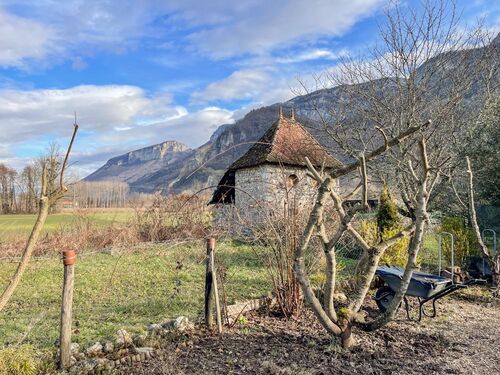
(272, 173)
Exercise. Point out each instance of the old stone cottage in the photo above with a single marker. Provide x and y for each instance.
(273, 173)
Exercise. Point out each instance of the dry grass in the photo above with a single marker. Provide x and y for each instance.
(177, 218)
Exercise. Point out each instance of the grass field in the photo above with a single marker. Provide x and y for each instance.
(22, 224)
(129, 290)
(123, 291)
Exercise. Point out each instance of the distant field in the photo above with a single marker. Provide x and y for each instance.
(22, 224)
(123, 291)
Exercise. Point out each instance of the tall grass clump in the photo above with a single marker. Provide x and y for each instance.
(19, 360)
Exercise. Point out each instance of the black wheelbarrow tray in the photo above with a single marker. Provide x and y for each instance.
(424, 286)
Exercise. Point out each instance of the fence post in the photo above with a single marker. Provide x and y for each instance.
(69, 260)
(211, 290)
(209, 318)
(218, 316)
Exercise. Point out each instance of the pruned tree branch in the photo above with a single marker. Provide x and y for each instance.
(47, 198)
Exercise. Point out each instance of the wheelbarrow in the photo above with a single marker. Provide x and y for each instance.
(424, 286)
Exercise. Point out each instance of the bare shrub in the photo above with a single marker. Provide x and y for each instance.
(274, 234)
(83, 234)
(173, 217)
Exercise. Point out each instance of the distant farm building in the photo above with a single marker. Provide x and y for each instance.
(273, 172)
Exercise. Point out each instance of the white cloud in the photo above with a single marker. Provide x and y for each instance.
(263, 26)
(258, 86)
(113, 119)
(241, 84)
(22, 39)
(224, 28)
(37, 112)
(314, 54)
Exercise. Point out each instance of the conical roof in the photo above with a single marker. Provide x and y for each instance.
(286, 142)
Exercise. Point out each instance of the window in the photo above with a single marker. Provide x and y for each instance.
(292, 181)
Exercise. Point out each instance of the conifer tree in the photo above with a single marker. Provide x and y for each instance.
(387, 216)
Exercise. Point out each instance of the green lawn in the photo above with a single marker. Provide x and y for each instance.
(123, 291)
(22, 224)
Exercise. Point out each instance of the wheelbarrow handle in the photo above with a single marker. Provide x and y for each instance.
(475, 282)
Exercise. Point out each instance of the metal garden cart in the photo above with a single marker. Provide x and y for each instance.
(426, 287)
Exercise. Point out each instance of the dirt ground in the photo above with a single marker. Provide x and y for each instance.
(463, 339)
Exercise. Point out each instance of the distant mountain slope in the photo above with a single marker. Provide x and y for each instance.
(133, 166)
(183, 169)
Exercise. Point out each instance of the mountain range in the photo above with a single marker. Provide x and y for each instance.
(172, 167)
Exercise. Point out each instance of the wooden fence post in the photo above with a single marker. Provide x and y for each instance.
(216, 292)
(211, 290)
(69, 260)
(209, 318)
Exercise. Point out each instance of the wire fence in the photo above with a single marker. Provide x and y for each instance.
(128, 288)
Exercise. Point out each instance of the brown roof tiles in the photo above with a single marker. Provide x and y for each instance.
(286, 142)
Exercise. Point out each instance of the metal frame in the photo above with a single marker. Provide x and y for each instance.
(421, 301)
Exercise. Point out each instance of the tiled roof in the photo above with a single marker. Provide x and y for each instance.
(286, 142)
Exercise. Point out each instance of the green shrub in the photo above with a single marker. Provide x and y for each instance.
(464, 239)
(387, 215)
(397, 254)
(19, 360)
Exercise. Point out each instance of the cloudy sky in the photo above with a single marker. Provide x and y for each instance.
(142, 72)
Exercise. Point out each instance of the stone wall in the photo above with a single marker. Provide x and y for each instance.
(263, 189)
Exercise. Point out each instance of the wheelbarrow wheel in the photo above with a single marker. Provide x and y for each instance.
(384, 297)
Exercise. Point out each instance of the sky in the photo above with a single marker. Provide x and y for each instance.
(139, 73)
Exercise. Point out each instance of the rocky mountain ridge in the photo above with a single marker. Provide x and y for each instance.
(134, 165)
(170, 169)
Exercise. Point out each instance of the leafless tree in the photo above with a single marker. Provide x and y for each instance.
(492, 258)
(52, 189)
(8, 177)
(99, 194)
(425, 68)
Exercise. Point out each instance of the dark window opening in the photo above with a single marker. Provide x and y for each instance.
(292, 181)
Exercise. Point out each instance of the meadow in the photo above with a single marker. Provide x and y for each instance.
(127, 290)
(138, 284)
(12, 225)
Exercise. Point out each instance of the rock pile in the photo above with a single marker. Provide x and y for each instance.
(123, 349)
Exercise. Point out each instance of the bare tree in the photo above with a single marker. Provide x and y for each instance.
(100, 194)
(425, 68)
(493, 259)
(7, 189)
(339, 322)
(49, 195)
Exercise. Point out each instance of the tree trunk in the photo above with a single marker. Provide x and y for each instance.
(28, 251)
(330, 272)
(346, 338)
(493, 259)
(415, 244)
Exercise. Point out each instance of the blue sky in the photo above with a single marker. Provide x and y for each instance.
(142, 72)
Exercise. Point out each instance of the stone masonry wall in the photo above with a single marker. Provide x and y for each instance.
(262, 189)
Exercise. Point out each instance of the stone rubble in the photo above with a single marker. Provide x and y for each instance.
(124, 350)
